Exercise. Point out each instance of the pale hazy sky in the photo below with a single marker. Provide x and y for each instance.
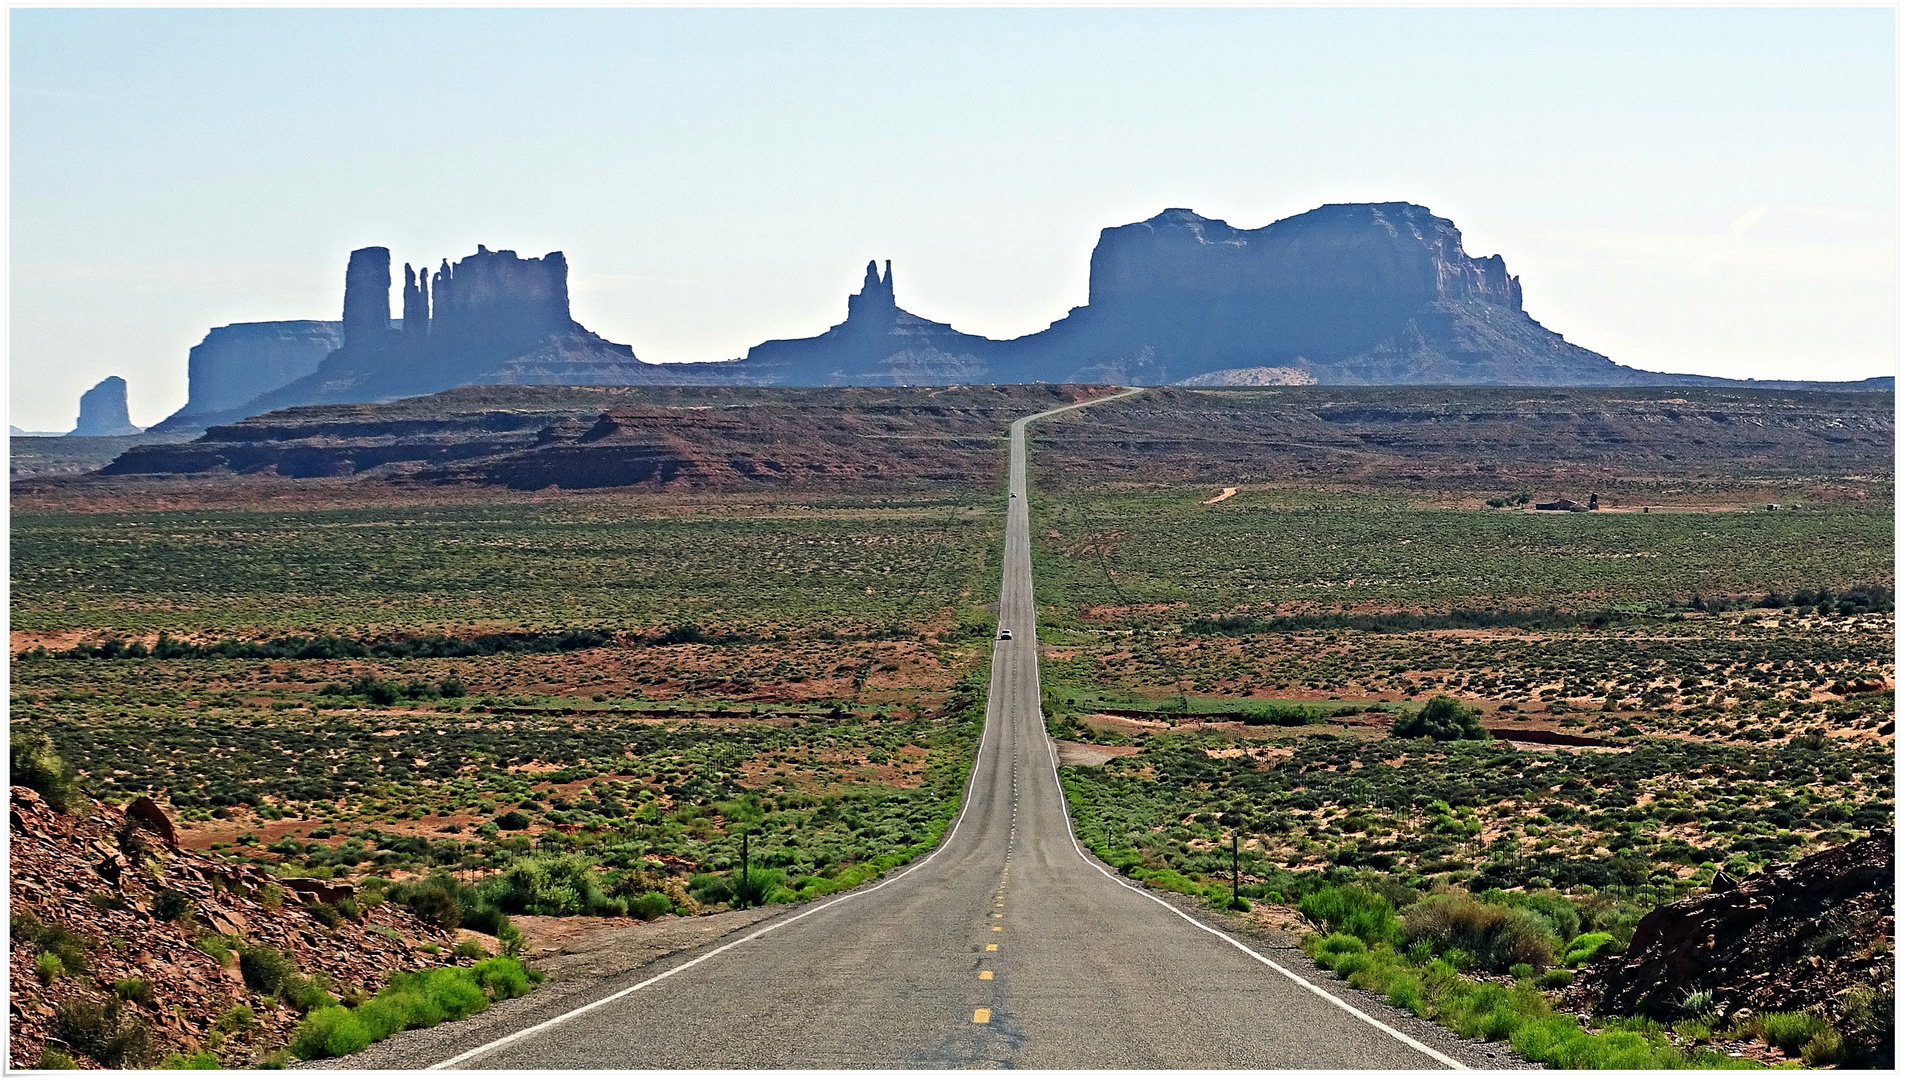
(1705, 190)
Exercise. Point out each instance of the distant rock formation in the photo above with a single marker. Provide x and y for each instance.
(236, 363)
(367, 296)
(1367, 293)
(102, 410)
(1362, 293)
(878, 345)
(1347, 294)
(1350, 294)
(491, 318)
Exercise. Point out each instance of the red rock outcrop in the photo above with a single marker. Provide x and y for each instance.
(1794, 937)
(91, 875)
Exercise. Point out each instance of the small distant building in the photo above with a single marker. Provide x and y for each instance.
(1569, 505)
(1772, 506)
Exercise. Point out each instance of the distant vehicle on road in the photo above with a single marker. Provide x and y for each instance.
(1005, 635)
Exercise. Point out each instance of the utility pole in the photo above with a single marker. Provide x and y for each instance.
(1233, 868)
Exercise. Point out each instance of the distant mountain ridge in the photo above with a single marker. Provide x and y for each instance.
(1346, 294)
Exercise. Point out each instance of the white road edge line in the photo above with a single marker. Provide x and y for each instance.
(945, 842)
(1245, 949)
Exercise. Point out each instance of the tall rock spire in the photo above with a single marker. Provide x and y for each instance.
(416, 302)
(875, 299)
(367, 296)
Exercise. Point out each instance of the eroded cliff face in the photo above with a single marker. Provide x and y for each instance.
(1351, 293)
(236, 363)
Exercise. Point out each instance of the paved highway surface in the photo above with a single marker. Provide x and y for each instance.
(1006, 947)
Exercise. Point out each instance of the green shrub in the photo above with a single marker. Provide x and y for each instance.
(1405, 992)
(470, 949)
(238, 1019)
(1791, 1031)
(433, 900)
(484, 917)
(1499, 937)
(1555, 980)
(1341, 943)
(47, 967)
(1825, 1048)
(172, 905)
(216, 947)
(304, 994)
(1559, 1042)
(104, 1031)
(711, 889)
(1441, 718)
(1352, 909)
(37, 764)
(329, 1032)
(502, 977)
(1562, 917)
(551, 885)
(759, 887)
(138, 990)
(53, 1058)
(1590, 947)
(1273, 713)
(50, 938)
(650, 906)
(265, 969)
(417, 999)
(514, 819)
(325, 913)
(200, 1059)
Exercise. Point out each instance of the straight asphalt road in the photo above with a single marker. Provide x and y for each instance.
(1007, 947)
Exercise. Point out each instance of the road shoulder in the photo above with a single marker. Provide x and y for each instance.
(580, 972)
(1281, 946)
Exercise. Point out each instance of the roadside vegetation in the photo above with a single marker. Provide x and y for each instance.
(1472, 747)
(476, 714)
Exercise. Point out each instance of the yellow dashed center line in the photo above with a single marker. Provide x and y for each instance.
(982, 1016)
(987, 975)
(992, 948)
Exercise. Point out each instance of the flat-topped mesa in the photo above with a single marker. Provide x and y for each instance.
(497, 297)
(1351, 256)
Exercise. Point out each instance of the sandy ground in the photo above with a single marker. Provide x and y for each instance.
(1076, 753)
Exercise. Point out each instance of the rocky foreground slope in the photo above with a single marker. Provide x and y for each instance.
(115, 927)
(1813, 936)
